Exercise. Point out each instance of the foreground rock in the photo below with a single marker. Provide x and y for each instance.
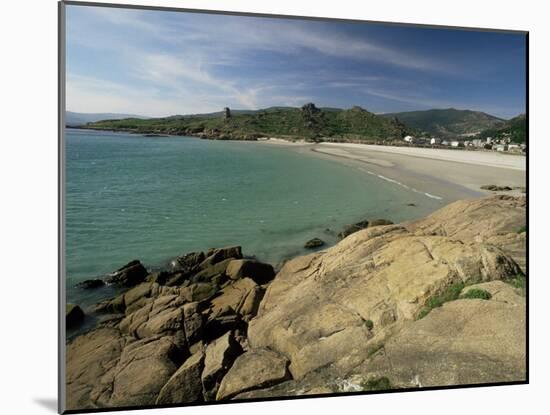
(316, 310)
(253, 370)
(185, 385)
(219, 357)
(217, 326)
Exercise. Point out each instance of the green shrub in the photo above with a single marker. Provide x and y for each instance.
(522, 229)
(369, 324)
(477, 293)
(451, 293)
(376, 384)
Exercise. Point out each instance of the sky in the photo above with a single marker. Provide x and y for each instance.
(160, 63)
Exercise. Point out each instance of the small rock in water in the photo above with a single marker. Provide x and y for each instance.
(89, 284)
(495, 188)
(314, 243)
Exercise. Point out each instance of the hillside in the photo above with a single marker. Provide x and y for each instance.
(81, 118)
(309, 122)
(448, 122)
(516, 128)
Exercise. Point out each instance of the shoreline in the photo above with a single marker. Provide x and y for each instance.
(433, 172)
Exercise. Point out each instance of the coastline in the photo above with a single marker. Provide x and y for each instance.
(447, 175)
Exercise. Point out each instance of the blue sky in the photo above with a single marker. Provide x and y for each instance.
(160, 63)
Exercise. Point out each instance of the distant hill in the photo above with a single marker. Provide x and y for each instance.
(516, 128)
(448, 122)
(80, 118)
(309, 122)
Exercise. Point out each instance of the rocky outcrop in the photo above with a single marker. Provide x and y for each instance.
(129, 275)
(348, 230)
(316, 310)
(216, 326)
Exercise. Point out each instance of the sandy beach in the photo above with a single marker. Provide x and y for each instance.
(448, 175)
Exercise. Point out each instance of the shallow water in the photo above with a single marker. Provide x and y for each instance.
(153, 198)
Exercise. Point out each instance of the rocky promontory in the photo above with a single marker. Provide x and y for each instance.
(434, 302)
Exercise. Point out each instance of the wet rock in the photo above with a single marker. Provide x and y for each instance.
(314, 243)
(129, 275)
(91, 284)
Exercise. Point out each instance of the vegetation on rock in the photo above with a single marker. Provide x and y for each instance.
(477, 293)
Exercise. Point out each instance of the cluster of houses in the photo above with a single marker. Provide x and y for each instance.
(500, 144)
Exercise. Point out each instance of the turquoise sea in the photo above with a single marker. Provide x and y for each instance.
(153, 198)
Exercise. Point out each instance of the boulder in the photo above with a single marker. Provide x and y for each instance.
(215, 273)
(89, 358)
(348, 230)
(129, 275)
(215, 255)
(90, 284)
(187, 263)
(199, 291)
(193, 322)
(314, 243)
(144, 368)
(185, 384)
(253, 370)
(242, 296)
(247, 268)
(219, 356)
(73, 315)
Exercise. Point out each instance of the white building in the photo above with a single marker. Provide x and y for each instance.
(455, 143)
(435, 141)
(409, 139)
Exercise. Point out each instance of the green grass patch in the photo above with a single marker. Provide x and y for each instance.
(451, 293)
(522, 229)
(519, 282)
(376, 384)
(477, 293)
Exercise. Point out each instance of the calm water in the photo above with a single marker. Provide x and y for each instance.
(131, 197)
